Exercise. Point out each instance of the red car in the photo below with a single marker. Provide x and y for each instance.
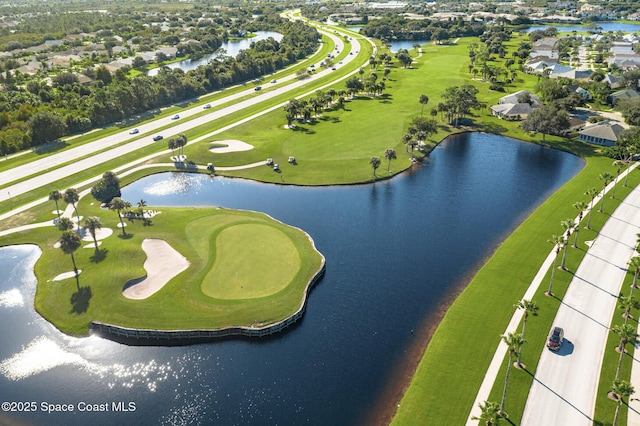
(555, 339)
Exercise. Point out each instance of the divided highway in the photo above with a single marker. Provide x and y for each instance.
(83, 158)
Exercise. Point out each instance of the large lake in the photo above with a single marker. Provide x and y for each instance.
(395, 250)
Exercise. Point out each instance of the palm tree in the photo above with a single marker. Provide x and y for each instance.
(490, 413)
(55, 196)
(619, 165)
(530, 307)
(635, 264)
(118, 204)
(375, 163)
(513, 342)
(390, 154)
(621, 389)
(627, 333)
(558, 242)
(171, 144)
(181, 140)
(626, 304)
(64, 224)
(141, 205)
(93, 223)
(567, 225)
(406, 139)
(581, 206)
(69, 243)
(592, 194)
(424, 100)
(606, 178)
(71, 197)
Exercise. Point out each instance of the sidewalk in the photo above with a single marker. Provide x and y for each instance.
(501, 350)
(565, 384)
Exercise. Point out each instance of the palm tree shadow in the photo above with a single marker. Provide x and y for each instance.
(80, 300)
(125, 236)
(99, 255)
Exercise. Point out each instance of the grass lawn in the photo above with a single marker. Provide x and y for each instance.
(335, 148)
(274, 272)
(252, 260)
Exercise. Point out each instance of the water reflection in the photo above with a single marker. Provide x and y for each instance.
(394, 251)
(230, 48)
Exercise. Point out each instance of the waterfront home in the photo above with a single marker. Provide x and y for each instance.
(604, 133)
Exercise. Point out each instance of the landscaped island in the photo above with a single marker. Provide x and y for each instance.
(220, 269)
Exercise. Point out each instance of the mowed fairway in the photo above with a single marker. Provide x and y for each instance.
(252, 260)
(336, 146)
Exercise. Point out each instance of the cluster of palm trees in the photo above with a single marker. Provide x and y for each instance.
(621, 389)
(71, 240)
(302, 109)
(389, 154)
(179, 142)
(368, 84)
(490, 411)
(417, 132)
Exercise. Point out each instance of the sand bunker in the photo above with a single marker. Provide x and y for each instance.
(66, 275)
(162, 264)
(231, 146)
(101, 234)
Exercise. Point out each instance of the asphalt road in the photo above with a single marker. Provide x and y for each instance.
(83, 153)
(565, 383)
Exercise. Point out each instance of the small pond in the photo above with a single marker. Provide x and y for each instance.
(231, 47)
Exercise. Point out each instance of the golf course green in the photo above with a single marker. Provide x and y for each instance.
(245, 269)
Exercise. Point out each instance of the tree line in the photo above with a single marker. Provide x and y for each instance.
(38, 113)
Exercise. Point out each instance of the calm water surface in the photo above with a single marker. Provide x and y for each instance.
(606, 27)
(394, 251)
(232, 48)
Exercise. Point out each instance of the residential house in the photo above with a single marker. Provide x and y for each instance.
(575, 124)
(512, 111)
(582, 92)
(616, 97)
(571, 73)
(613, 81)
(516, 97)
(604, 133)
(545, 47)
(511, 107)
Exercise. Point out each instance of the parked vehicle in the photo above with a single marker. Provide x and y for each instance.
(556, 337)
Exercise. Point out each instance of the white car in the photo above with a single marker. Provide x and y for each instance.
(207, 106)
(175, 117)
(134, 131)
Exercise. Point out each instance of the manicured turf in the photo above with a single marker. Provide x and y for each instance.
(336, 148)
(181, 304)
(252, 260)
